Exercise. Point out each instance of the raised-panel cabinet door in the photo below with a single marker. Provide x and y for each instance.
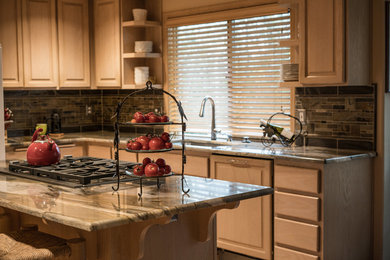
(11, 41)
(322, 42)
(107, 43)
(73, 43)
(246, 229)
(40, 43)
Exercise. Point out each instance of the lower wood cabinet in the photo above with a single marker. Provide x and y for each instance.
(196, 165)
(247, 229)
(100, 151)
(322, 211)
(71, 149)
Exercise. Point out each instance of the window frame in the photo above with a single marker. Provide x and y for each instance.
(218, 13)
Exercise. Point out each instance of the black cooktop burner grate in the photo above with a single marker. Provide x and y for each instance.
(82, 170)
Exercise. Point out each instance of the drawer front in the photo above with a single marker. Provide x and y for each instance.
(299, 206)
(288, 254)
(299, 179)
(297, 234)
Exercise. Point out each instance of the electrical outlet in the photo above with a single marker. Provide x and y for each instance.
(302, 115)
(88, 110)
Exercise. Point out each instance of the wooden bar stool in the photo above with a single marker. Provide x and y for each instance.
(30, 244)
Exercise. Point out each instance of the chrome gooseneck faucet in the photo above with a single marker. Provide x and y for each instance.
(213, 133)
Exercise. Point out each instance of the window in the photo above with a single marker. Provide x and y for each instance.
(234, 61)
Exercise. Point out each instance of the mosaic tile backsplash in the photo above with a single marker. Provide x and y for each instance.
(339, 117)
(36, 106)
(336, 117)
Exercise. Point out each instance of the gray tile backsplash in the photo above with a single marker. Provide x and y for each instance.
(339, 116)
(36, 106)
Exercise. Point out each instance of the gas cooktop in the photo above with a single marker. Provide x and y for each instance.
(73, 171)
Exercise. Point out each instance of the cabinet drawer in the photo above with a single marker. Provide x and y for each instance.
(288, 254)
(299, 179)
(299, 206)
(293, 233)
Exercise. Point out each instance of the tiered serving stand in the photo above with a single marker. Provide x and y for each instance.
(118, 123)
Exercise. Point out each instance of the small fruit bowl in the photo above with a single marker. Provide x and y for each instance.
(150, 143)
(151, 169)
(149, 118)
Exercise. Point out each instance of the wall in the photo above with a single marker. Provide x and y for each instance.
(339, 117)
(36, 106)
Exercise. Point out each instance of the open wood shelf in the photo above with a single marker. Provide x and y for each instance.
(140, 24)
(141, 55)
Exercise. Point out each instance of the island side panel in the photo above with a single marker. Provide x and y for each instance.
(177, 239)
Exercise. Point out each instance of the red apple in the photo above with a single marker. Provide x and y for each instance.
(156, 143)
(151, 170)
(165, 137)
(144, 140)
(139, 170)
(167, 169)
(136, 146)
(168, 145)
(154, 119)
(140, 119)
(137, 114)
(161, 171)
(164, 118)
(145, 147)
(160, 162)
(146, 161)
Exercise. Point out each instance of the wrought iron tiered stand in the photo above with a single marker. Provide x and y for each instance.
(149, 87)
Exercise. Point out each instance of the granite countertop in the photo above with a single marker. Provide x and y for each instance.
(98, 207)
(236, 148)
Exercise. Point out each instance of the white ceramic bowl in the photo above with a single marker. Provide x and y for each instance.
(143, 46)
(139, 14)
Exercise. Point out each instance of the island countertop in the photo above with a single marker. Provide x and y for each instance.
(98, 207)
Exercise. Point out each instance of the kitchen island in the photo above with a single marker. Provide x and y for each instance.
(163, 224)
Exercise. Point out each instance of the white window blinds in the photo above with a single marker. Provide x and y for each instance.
(237, 63)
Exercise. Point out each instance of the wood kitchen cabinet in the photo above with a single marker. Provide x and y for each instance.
(11, 41)
(107, 43)
(40, 43)
(197, 165)
(333, 39)
(247, 229)
(322, 211)
(100, 151)
(73, 43)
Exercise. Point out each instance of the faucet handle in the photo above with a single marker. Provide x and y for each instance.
(217, 131)
(245, 139)
(229, 137)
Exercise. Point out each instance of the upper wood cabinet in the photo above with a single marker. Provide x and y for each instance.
(73, 43)
(11, 41)
(333, 39)
(107, 43)
(247, 229)
(323, 42)
(40, 43)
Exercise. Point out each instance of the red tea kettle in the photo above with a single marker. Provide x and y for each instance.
(43, 151)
